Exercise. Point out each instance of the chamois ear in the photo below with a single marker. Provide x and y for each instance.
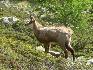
(32, 18)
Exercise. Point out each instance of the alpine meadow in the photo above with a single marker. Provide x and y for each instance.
(46, 35)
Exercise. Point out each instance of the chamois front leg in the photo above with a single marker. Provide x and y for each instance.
(46, 46)
(64, 49)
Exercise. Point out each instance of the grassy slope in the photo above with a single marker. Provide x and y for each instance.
(17, 53)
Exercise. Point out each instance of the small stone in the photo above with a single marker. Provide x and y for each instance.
(90, 61)
(40, 48)
(9, 20)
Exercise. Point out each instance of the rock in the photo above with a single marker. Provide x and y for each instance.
(90, 61)
(9, 20)
(56, 54)
(40, 48)
(5, 20)
(80, 58)
(14, 19)
(43, 16)
(53, 53)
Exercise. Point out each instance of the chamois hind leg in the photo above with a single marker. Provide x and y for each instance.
(46, 46)
(69, 48)
(64, 49)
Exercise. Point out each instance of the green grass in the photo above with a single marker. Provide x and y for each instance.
(18, 43)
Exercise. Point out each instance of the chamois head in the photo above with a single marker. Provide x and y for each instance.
(32, 20)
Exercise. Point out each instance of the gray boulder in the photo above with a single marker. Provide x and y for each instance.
(90, 61)
(9, 20)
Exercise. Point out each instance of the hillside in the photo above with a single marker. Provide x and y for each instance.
(18, 43)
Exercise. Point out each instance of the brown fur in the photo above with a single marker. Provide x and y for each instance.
(61, 35)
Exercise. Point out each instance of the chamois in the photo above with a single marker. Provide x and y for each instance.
(46, 35)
